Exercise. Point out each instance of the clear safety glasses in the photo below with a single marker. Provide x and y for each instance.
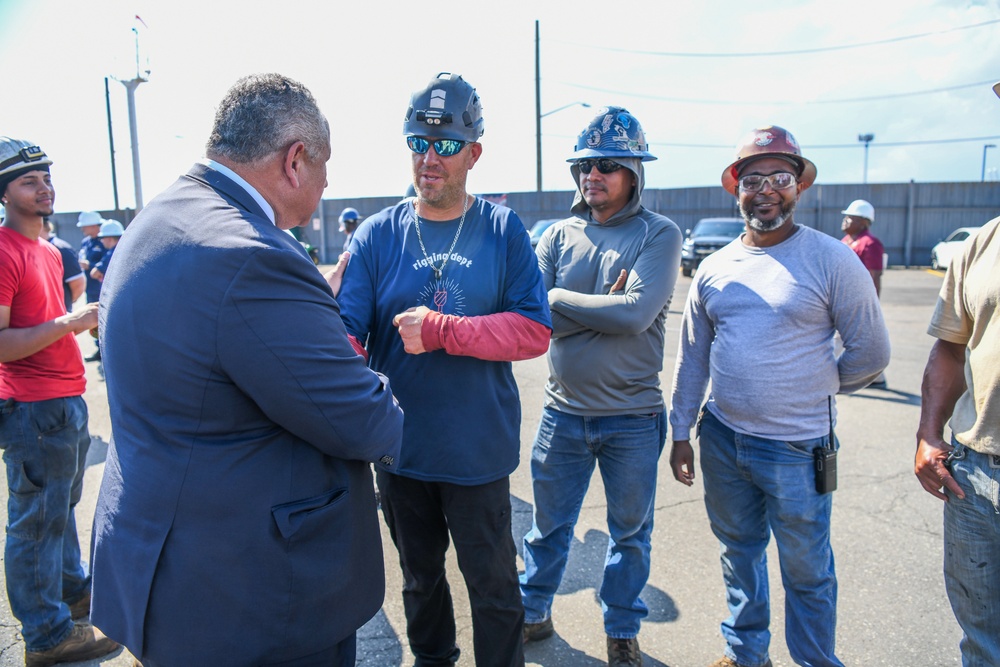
(755, 182)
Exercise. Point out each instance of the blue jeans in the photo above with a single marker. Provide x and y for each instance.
(753, 487)
(45, 449)
(971, 566)
(566, 449)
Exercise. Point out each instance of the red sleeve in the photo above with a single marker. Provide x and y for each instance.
(497, 337)
(358, 347)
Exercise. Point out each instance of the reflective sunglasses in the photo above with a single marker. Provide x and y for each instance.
(443, 147)
(755, 182)
(604, 165)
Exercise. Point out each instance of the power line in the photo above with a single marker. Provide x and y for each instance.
(756, 54)
(742, 102)
(805, 147)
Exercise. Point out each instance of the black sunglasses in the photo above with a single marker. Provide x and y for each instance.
(604, 165)
(443, 147)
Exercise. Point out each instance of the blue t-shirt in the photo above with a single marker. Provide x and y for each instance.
(462, 415)
(92, 250)
(105, 261)
(71, 268)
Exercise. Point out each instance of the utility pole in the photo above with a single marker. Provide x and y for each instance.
(111, 143)
(130, 86)
(538, 112)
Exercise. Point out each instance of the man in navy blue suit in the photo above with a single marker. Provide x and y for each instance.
(236, 523)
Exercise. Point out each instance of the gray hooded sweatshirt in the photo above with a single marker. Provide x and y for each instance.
(607, 350)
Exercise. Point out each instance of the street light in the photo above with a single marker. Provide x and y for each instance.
(130, 86)
(985, 148)
(538, 142)
(867, 139)
(565, 106)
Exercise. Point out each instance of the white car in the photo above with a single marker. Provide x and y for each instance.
(942, 253)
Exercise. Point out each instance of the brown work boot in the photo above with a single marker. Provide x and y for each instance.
(729, 662)
(85, 642)
(624, 652)
(80, 608)
(535, 631)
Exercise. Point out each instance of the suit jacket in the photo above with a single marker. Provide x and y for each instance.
(236, 522)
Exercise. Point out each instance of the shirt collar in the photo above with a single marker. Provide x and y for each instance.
(236, 178)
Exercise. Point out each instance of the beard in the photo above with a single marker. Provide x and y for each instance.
(753, 222)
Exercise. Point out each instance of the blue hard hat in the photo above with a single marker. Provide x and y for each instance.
(446, 108)
(613, 132)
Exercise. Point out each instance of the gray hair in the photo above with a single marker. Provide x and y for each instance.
(263, 114)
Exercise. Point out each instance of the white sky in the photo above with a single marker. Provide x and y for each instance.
(362, 60)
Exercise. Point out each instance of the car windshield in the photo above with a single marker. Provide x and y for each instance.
(728, 228)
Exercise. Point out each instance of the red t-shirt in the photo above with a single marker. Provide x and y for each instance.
(31, 286)
(868, 248)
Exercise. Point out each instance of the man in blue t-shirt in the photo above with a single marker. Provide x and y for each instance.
(445, 291)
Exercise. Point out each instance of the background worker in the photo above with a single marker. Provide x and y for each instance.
(91, 252)
(111, 232)
(349, 220)
(858, 218)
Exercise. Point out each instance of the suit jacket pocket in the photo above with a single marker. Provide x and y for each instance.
(292, 517)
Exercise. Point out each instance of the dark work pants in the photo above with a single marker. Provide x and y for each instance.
(420, 516)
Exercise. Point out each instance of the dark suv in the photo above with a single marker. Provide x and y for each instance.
(708, 235)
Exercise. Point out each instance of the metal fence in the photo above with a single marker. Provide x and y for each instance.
(909, 217)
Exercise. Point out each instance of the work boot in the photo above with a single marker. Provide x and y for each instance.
(535, 631)
(729, 662)
(80, 608)
(624, 652)
(85, 642)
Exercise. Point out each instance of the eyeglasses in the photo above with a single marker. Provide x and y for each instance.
(443, 147)
(604, 165)
(755, 182)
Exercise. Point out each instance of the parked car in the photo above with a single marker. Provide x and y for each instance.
(539, 228)
(708, 235)
(942, 253)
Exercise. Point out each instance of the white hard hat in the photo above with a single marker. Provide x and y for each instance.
(861, 209)
(110, 228)
(89, 218)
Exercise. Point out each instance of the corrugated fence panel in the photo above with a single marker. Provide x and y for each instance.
(909, 217)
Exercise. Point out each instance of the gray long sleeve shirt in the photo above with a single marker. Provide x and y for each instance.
(760, 322)
(607, 350)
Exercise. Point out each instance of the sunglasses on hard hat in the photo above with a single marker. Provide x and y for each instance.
(604, 165)
(755, 182)
(443, 147)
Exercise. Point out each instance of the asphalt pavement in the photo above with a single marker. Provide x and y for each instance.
(887, 534)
